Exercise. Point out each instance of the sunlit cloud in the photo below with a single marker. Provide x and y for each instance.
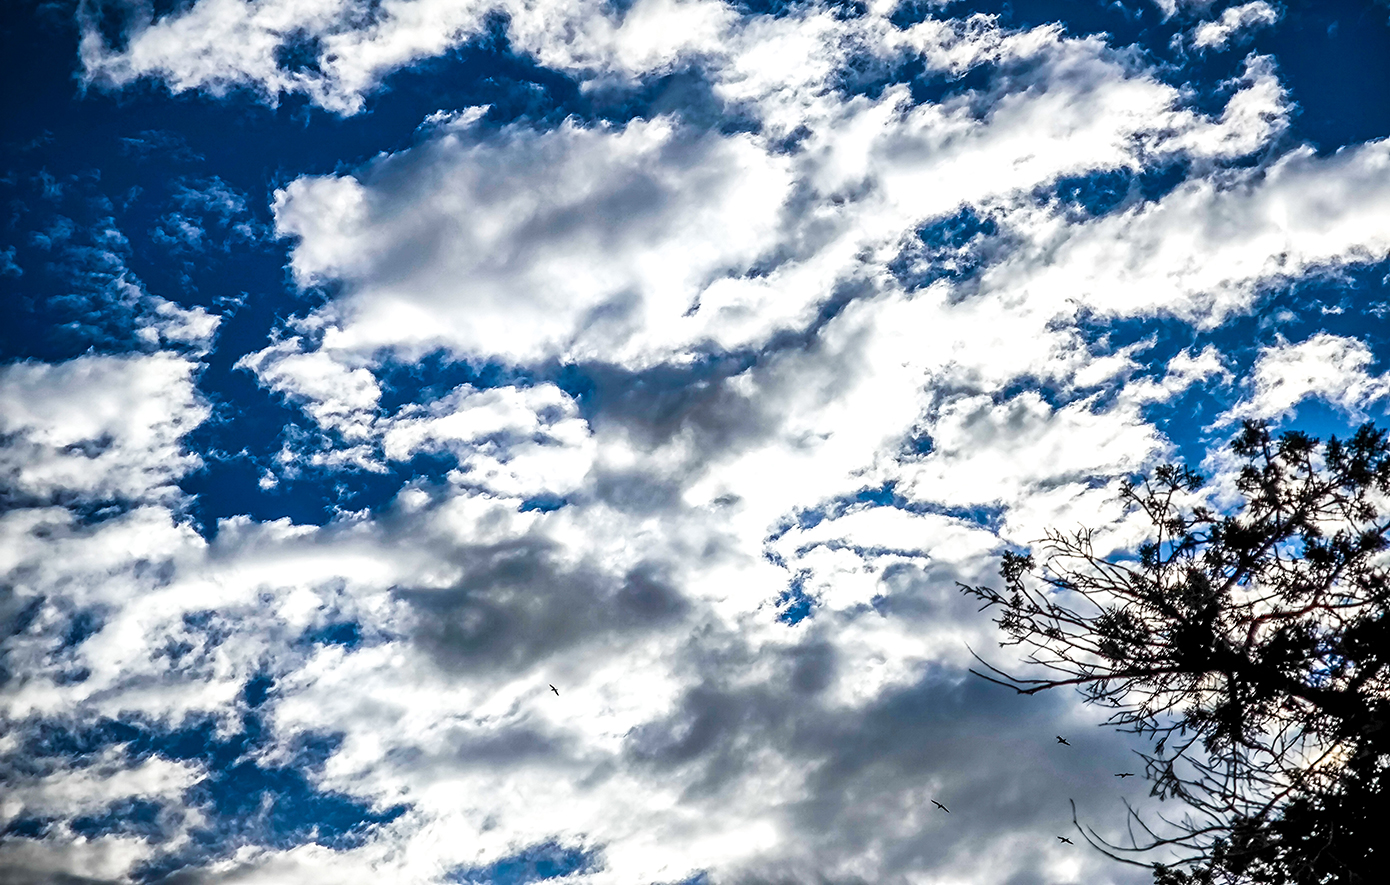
(689, 385)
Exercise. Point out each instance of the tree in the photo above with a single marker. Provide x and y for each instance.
(1250, 648)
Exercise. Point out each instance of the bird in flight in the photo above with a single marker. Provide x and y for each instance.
(1066, 840)
(1125, 774)
(942, 807)
(1062, 740)
(554, 689)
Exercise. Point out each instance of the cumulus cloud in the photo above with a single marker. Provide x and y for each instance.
(1210, 247)
(1235, 22)
(1332, 368)
(766, 393)
(1183, 371)
(97, 427)
(693, 728)
(339, 397)
(638, 242)
(513, 442)
(338, 51)
(573, 240)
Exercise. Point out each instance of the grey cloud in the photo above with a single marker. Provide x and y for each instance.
(925, 593)
(648, 598)
(656, 404)
(985, 752)
(814, 668)
(635, 491)
(517, 605)
(500, 748)
(21, 874)
(711, 731)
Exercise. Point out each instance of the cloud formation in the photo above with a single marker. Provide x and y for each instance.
(1332, 368)
(1235, 22)
(338, 51)
(696, 413)
(97, 428)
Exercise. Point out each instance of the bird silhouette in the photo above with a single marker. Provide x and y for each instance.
(554, 689)
(942, 807)
(1066, 840)
(1125, 774)
(1062, 740)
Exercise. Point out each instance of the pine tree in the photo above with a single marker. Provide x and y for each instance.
(1249, 647)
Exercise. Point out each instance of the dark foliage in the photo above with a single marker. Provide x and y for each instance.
(1250, 647)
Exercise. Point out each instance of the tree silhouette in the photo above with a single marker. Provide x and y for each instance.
(1249, 647)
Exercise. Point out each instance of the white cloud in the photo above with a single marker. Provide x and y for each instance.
(693, 731)
(1183, 371)
(527, 244)
(104, 301)
(1211, 246)
(1235, 22)
(1024, 456)
(1169, 8)
(105, 858)
(1253, 116)
(100, 427)
(641, 242)
(761, 377)
(220, 45)
(336, 396)
(1329, 367)
(206, 215)
(513, 442)
(90, 789)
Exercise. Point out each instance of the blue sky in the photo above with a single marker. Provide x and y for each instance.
(368, 367)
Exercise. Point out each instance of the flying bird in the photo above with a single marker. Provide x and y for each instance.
(942, 807)
(1066, 840)
(1125, 774)
(1062, 740)
(554, 689)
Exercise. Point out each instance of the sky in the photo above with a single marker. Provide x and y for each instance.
(368, 367)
